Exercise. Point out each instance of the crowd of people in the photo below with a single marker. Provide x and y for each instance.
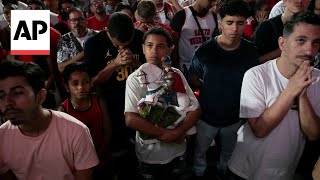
(144, 88)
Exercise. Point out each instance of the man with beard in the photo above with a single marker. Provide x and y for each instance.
(192, 26)
(70, 46)
(38, 143)
(112, 55)
(100, 19)
(280, 100)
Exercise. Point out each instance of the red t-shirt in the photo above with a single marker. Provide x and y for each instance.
(95, 24)
(92, 118)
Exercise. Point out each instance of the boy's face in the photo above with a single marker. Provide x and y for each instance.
(232, 27)
(154, 48)
(79, 85)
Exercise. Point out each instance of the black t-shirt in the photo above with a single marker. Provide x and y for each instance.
(98, 52)
(222, 73)
(267, 34)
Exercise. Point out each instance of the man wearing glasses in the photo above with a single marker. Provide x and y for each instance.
(70, 46)
(100, 19)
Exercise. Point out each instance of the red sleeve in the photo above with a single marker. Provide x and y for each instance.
(178, 85)
(54, 38)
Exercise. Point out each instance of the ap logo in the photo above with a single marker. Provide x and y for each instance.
(30, 34)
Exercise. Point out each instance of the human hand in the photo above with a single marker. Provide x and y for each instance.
(124, 57)
(301, 80)
(171, 135)
(145, 26)
(261, 16)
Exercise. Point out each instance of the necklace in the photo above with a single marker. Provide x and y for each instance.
(74, 107)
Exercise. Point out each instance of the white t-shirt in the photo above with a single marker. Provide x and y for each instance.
(64, 147)
(277, 9)
(157, 153)
(275, 156)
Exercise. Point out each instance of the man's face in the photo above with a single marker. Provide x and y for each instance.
(154, 48)
(77, 24)
(232, 27)
(295, 6)
(17, 100)
(98, 6)
(302, 44)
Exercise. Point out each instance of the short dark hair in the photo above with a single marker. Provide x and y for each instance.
(307, 17)
(158, 31)
(234, 8)
(260, 3)
(122, 6)
(33, 73)
(60, 2)
(146, 9)
(73, 67)
(37, 2)
(5, 2)
(120, 26)
(75, 9)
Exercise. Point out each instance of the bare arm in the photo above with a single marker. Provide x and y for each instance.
(85, 174)
(309, 120)
(316, 171)
(136, 122)
(179, 133)
(124, 57)
(270, 55)
(78, 57)
(269, 119)
(175, 4)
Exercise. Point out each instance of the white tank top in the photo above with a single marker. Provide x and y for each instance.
(190, 36)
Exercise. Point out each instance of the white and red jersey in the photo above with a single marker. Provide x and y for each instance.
(191, 37)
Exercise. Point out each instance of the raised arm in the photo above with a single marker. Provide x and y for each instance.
(273, 115)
